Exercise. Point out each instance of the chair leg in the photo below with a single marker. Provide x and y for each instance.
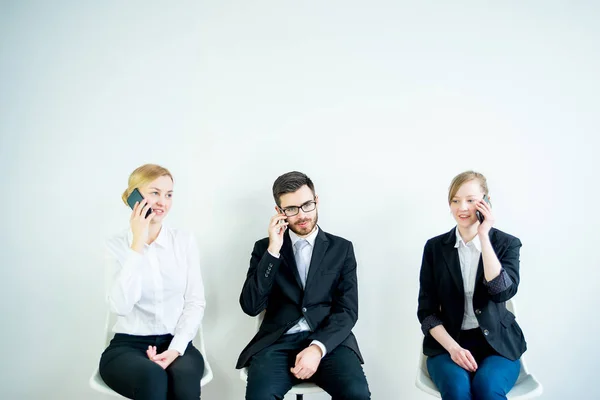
(299, 397)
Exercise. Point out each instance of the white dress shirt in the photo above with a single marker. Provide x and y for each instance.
(158, 292)
(468, 254)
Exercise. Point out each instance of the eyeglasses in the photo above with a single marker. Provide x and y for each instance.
(294, 210)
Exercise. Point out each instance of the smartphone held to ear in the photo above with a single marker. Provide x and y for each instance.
(136, 197)
(282, 228)
(480, 217)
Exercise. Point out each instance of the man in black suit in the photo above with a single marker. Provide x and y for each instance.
(305, 281)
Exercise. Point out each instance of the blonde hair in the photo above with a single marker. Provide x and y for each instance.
(142, 176)
(463, 177)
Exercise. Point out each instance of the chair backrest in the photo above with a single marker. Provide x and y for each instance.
(259, 319)
(199, 344)
(110, 321)
(512, 307)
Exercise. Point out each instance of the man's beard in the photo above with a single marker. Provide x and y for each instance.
(308, 228)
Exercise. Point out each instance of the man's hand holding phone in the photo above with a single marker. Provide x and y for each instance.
(277, 227)
(140, 225)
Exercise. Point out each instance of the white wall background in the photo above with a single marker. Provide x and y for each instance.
(380, 102)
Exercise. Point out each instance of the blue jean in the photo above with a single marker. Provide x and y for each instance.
(339, 373)
(494, 378)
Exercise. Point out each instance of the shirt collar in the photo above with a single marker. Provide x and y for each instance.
(310, 239)
(476, 242)
(161, 240)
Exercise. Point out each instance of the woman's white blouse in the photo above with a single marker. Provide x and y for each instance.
(157, 292)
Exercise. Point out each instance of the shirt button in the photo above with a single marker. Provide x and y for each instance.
(303, 309)
(478, 311)
(267, 275)
(486, 332)
(270, 265)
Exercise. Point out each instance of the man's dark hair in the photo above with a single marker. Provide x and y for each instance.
(289, 183)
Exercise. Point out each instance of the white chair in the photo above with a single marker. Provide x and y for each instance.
(300, 389)
(98, 384)
(526, 387)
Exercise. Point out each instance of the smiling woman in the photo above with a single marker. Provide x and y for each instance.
(473, 342)
(156, 290)
(150, 180)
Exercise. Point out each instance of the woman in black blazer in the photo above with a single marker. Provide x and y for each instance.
(472, 341)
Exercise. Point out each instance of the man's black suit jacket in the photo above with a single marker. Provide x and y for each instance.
(329, 302)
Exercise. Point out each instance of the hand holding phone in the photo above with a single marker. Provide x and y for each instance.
(480, 217)
(277, 227)
(282, 225)
(136, 197)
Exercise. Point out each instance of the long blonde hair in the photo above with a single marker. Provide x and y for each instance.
(142, 176)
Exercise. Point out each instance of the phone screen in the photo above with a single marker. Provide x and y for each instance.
(135, 197)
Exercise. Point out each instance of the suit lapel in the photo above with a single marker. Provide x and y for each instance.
(452, 260)
(321, 245)
(288, 256)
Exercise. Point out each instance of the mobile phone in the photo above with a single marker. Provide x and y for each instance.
(480, 217)
(281, 221)
(136, 197)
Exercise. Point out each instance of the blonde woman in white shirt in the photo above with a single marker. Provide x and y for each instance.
(155, 288)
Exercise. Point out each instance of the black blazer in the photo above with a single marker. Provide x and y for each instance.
(442, 294)
(329, 302)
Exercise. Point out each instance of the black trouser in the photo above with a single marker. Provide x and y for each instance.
(126, 369)
(474, 341)
(339, 373)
